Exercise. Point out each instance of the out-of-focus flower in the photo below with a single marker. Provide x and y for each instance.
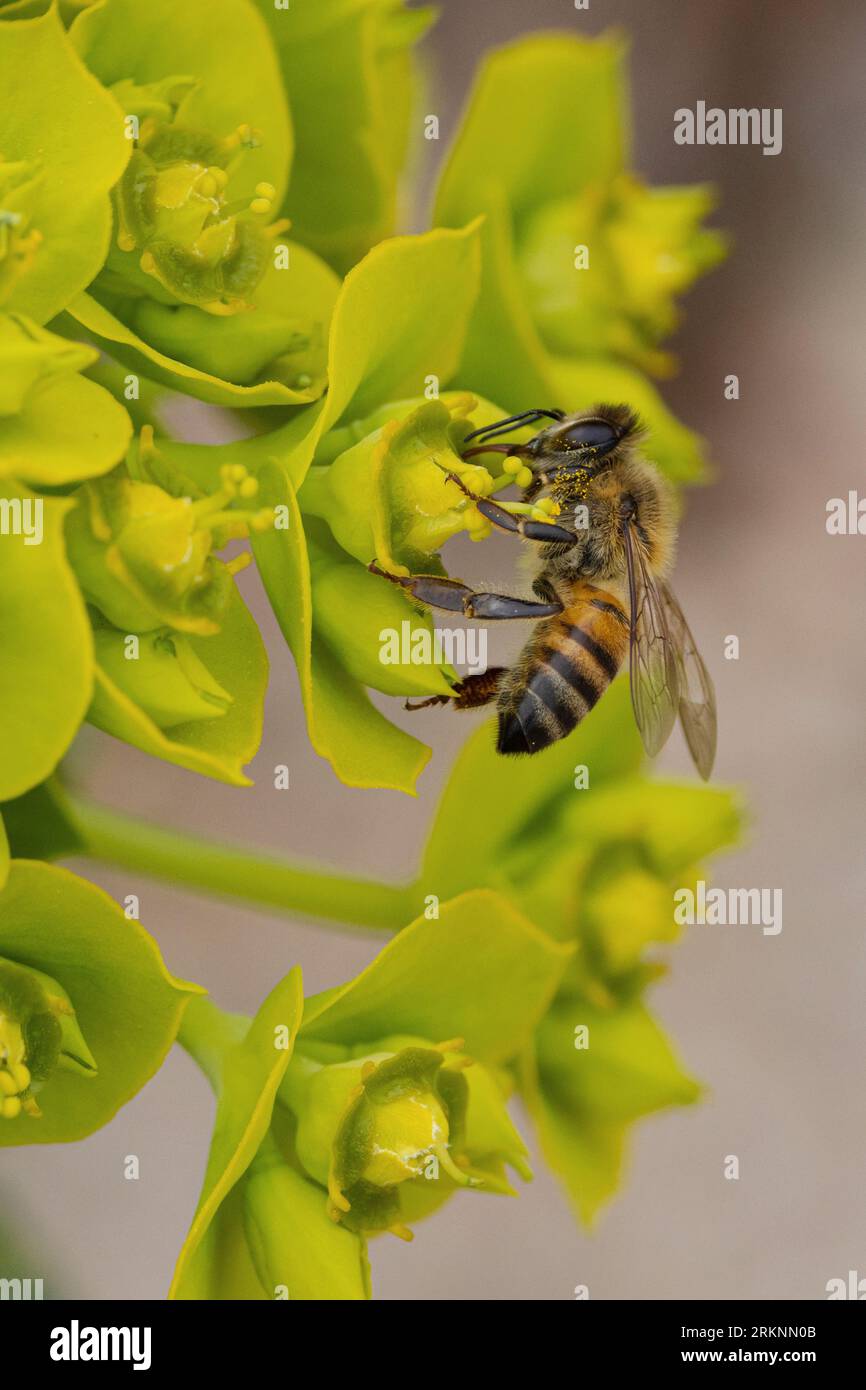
(593, 852)
(642, 246)
(583, 262)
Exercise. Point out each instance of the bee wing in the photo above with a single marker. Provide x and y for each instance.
(697, 695)
(654, 673)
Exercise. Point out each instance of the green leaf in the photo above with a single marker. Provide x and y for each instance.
(4, 853)
(492, 802)
(127, 1004)
(342, 588)
(481, 971)
(237, 661)
(363, 748)
(348, 73)
(401, 317)
(213, 1262)
(47, 670)
(75, 160)
(588, 1155)
(629, 1068)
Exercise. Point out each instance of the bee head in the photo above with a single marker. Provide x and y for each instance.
(590, 436)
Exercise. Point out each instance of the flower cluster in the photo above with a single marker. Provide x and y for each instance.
(202, 249)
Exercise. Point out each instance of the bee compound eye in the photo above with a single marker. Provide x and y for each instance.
(596, 436)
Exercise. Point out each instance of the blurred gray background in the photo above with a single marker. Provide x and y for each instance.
(773, 1025)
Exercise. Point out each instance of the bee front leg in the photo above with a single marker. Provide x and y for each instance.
(526, 527)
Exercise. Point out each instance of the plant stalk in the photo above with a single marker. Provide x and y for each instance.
(260, 880)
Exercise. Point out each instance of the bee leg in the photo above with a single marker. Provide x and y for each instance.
(519, 525)
(543, 589)
(425, 704)
(454, 597)
(515, 422)
(470, 693)
(431, 589)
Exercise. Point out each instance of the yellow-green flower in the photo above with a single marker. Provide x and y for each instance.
(377, 1128)
(604, 267)
(176, 215)
(145, 558)
(38, 1033)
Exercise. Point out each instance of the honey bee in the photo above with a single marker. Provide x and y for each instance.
(601, 588)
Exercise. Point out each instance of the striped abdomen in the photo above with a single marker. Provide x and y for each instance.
(563, 671)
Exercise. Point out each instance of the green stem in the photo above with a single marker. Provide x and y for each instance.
(207, 1033)
(261, 880)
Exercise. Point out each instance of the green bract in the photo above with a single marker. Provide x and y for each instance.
(46, 674)
(347, 67)
(55, 426)
(74, 968)
(54, 198)
(293, 1127)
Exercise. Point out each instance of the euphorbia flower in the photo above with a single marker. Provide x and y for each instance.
(330, 1128)
(38, 1033)
(87, 1007)
(643, 247)
(144, 557)
(178, 225)
(592, 851)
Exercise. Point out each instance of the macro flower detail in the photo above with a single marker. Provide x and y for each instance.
(388, 497)
(145, 558)
(175, 214)
(38, 1034)
(371, 1124)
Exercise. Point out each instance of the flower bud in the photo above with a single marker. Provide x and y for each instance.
(38, 1034)
(166, 678)
(644, 247)
(144, 557)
